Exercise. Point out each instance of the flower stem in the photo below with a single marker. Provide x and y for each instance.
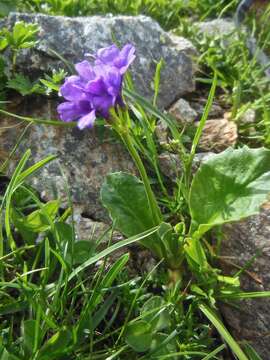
(136, 157)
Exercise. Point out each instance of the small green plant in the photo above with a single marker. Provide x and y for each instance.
(22, 36)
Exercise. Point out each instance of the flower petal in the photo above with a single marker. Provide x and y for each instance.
(108, 54)
(72, 89)
(85, 70)
(87, 120)
(68, 111)
(126, 57)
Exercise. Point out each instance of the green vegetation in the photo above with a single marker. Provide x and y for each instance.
(67, 298)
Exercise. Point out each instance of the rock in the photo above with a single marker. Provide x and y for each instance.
(248, 117)
(74, 37)
(85, 157)
(171, 165)
(243, 241)
(217, 135)
(96, 231)
(183, 112)
(198, 105)
(216, 27)
(161, 131)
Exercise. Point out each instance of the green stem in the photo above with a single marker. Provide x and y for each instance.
(136, 157)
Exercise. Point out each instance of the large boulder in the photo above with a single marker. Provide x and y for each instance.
(72, 38)
(84, 157)
(248, 242)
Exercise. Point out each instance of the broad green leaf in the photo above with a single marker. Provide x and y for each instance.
(139, 336)
(156, 313)
(37, 221)
(166, 349)
(229, 187)
(82, 251)
(29, 333)
(56, 345)
(5, 355)
(124, 197)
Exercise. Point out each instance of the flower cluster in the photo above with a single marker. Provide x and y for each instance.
(97, 87)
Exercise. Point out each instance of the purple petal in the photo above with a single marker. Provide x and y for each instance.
(68, 111)
(103, 104)
(108, 54)
(126, 57)
(97, 86)
(72, 89)
(85, 70)
(87, 120)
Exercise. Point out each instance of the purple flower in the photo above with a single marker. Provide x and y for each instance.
(121, 59)
(96, 88)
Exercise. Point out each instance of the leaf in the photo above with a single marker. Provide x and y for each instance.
(158, 316)
(138, 336)
(110, 250)
(229, 187)
(24, 86)
(29, 334)
(82, 251)
(160, 351)
(252, 354)
(211, 315)
(56, 345)
(23, 35)
(123, 195)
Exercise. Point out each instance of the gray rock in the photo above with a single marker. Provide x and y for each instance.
(84, 157)
(216, 27)
(248, 117)
(183, 112)
(89, 230)
(73, 37)
(251, 321)
(198, 105)
(171, 164)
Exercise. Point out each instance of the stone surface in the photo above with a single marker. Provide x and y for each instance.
(183, 112)
(95, 231)
(85, 157)
(217, 135)
(251, 321)
(248, 117)
(171, 165)
(73, 37)
(216, 27)
(199, 104)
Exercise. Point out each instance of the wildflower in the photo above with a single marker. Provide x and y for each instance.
(96, 88)
(121, 59)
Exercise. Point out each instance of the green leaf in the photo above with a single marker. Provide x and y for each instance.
(167, 348)
(29, 333)
(24, 85)
(139, 336)
(252, 354)
(123, 195)
(83, 250)
(211, 315)
(229, 187)
(56, 345)
(23, 35)
(110, 250)
(156, 313)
